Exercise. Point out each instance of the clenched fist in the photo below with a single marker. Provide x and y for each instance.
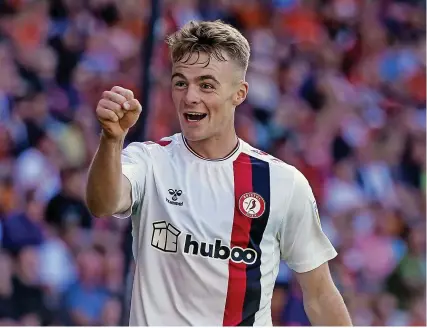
(117, 111)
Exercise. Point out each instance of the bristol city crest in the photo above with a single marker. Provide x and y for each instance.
(251, 205)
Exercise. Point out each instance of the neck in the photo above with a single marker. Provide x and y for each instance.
(215, 147)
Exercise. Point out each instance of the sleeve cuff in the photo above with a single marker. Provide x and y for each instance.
(124, 215)
(318, 260)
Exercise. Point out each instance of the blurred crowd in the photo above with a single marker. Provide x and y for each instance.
(337, 89)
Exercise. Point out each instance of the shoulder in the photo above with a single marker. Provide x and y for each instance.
(260, 155)
(282, 173)
(154, 147)
(164, 143)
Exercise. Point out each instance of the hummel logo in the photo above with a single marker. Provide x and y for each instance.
(175, 193)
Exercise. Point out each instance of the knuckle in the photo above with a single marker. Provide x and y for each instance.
(107, 104)
(115, 106)
(100, 111)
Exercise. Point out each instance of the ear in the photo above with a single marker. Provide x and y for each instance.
(241, 93)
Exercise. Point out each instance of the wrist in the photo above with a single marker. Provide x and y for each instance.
(112, 140)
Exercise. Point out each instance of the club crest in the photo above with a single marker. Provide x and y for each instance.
(251, 205)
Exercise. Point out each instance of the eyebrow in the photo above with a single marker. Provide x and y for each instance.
(200, 78)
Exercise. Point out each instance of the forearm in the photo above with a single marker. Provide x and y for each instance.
(327, 309)
(103, 191)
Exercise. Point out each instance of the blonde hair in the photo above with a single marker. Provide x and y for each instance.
(211, 37)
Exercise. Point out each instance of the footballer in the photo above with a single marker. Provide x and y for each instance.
(212, 217)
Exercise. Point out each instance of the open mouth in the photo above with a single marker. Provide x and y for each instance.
(194, 117)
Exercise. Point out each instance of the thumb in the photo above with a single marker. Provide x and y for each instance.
(132, 105)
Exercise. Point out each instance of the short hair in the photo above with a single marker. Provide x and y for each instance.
(211, 37)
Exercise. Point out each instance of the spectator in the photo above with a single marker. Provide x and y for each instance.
(28, 297)
(8, 312)
(24, 229)
(85, 300)
(57, 265)
(67, 209)
(37, 167)
(114, 268)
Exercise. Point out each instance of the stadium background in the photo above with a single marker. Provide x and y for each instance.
(337, 88)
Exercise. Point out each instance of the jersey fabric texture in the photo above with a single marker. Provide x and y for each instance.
(208, 235)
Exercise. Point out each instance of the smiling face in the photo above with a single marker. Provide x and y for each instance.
(206, 95)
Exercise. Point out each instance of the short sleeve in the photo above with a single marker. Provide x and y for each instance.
(135, 166)
(303, 244)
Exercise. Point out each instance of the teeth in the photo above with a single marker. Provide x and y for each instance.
(194, 116)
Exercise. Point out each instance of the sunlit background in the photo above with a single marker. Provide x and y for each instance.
(337, 89)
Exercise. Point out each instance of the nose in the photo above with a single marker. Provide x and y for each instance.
(192, 96)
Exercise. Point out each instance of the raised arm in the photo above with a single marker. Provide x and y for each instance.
(108, 191)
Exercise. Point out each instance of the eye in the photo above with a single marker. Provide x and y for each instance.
(206, 86)
(180, 84)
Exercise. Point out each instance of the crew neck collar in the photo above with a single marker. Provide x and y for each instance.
(229, 156)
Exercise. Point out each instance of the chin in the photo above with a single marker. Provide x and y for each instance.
(194, 135)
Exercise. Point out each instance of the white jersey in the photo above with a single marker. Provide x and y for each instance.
(208, 235)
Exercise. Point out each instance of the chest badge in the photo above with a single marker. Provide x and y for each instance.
(251, 205)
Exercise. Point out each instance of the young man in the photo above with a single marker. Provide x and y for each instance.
(212, 216)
